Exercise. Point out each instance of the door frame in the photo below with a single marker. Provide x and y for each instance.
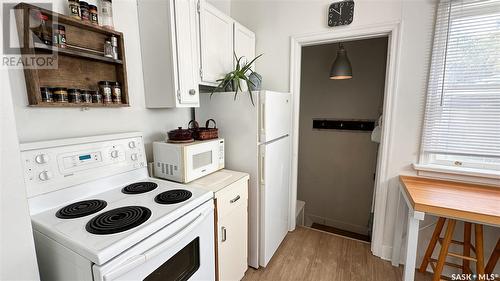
(392, 31)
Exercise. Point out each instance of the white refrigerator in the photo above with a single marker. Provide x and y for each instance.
(257, 141)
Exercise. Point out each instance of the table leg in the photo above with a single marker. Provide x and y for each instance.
(398, 231)
(411, 247)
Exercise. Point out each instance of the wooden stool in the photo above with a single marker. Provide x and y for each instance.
(490, 266)
(438, 264)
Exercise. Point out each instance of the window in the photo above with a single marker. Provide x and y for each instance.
(462, 117)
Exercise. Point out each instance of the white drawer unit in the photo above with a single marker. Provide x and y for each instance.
(230, 190)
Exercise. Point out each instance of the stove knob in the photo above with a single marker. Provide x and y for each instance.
(42, 158)
(114, 154)
(45, 175)
(131, 144)
(134, 157)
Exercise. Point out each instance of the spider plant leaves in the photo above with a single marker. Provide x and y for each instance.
(236, 77)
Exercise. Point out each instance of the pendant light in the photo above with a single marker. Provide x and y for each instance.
(341, 67)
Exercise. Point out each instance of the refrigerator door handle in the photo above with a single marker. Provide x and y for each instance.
(262, 168)
(262, 120)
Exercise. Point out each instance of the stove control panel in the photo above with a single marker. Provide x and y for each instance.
(54, 165)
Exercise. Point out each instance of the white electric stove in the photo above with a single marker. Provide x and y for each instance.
(98, 216)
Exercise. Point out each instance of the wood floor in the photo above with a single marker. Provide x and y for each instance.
(308, 254)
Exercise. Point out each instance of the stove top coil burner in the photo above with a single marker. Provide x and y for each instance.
(81, 209)
(173, 196)
(118, 220)
(139, 187)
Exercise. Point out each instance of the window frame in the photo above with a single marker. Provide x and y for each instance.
(435, 165)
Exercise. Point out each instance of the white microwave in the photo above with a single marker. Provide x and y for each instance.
(185, 162)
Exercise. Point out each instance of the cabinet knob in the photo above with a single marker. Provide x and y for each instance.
(134, 157)
(131, 144)
(192, 92)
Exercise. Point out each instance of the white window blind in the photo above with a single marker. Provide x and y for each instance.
(462, 118)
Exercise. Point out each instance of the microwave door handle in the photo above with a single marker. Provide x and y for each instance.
(167, 243)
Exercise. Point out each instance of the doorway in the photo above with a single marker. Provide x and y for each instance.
(339, 133)
(392, 31)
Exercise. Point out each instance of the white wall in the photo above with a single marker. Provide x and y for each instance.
(222, 5)
(50, 123)
(274, 21)
(17, 249)
(336, 168)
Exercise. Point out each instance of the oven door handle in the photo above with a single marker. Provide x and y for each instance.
(128, 265)
(167, 243)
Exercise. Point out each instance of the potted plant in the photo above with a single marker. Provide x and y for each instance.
(233, 80)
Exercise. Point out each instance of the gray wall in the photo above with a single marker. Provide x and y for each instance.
(336, 167)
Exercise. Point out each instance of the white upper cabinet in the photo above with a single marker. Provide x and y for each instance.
(169, 33)
(216, 44)
(244, 43)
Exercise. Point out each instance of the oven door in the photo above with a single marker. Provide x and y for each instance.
(201, 159)
(183, 250)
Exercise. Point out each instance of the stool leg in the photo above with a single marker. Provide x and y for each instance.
(444, 249)
(479, 249)
(432, 244)
(467, 246)
(493, 259)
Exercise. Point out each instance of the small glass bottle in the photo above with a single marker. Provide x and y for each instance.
(46, 94)
(42, 31)
(106, 14)
(96, 97)
(60, 95)
(108, 49)
(74, 96)
(117, 92)
(106, 92)
(84, 11)
(114, 45)
(59, 35)
(74, 9)
(93, 15)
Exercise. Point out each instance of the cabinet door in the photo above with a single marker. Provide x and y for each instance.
(187, 34)
(216, 44)
(232, 243)
(244, 43)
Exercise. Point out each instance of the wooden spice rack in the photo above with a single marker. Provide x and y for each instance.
(81, 65)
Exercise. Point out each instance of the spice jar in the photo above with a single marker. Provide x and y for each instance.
(106, 14)
(96, 97)
(60, 95)
(108, 49)
(117, 93)
(46, 94)
(114, 45)
(74, 96)
(86, 96)
(42, 31)
(106, 91)
(74, 9)
(59, 35)
(93, 14)
(84, 11)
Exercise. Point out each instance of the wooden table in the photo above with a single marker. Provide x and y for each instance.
(466, 202)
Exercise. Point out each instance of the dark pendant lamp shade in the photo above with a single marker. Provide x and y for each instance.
(341, 67)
